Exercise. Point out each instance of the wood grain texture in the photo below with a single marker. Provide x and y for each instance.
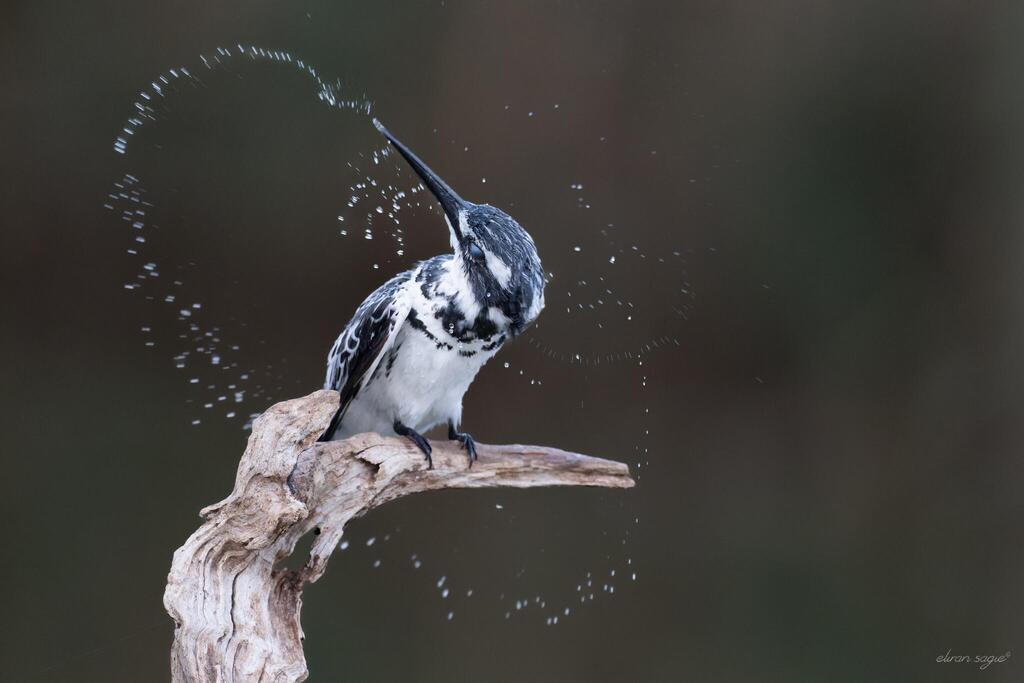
(235, 608)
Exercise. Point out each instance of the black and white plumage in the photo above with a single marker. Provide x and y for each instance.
(410, 352)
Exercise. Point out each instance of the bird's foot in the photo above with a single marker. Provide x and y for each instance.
(417, 438)
(465, 439)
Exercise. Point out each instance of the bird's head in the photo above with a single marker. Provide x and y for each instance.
(497, 255)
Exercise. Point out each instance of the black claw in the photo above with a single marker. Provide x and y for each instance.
(466, 440)
(417, 439)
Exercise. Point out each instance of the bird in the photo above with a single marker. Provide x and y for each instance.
(405, 360)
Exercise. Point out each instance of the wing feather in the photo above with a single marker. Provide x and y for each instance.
(364, 341)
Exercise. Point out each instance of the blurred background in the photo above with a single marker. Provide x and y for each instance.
(786, 288)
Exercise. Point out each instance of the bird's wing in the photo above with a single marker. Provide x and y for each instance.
(364, 341)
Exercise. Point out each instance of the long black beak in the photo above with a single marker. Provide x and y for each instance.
(450, 202)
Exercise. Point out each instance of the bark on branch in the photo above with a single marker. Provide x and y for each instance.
(235, 608)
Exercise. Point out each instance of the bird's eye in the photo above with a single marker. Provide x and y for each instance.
(475, 251)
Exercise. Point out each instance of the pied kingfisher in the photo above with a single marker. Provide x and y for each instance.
(410, 352)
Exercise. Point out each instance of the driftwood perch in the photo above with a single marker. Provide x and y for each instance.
(235, 609)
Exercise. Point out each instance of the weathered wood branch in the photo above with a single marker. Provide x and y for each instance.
(235, 608)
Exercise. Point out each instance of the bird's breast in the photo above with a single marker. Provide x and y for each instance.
(427, 346)
(421, 380)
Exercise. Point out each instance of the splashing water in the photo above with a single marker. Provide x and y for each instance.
(607, 316)
(588, 293)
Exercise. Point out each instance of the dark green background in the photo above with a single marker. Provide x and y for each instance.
(832, 489)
